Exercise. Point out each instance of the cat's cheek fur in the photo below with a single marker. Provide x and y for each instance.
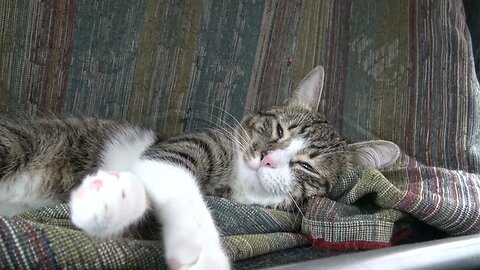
(190, 237)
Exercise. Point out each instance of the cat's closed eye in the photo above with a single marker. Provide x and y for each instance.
(307, 166)
(303, 165)
(279, 131)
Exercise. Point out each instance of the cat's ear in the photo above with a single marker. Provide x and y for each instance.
(377, 153)
(309, 91)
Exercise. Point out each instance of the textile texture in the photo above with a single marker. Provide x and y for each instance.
(46, 239)
(396, 70)
(364, 207)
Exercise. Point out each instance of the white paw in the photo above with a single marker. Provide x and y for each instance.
(194, 248)
(106, 203)
(194, 255)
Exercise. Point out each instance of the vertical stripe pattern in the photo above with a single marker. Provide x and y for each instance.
(396, 70)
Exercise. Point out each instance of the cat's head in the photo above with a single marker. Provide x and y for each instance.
(290, 152)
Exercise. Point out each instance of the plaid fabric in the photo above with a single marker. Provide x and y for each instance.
(363, 208)
(46, 239)
(361, 212)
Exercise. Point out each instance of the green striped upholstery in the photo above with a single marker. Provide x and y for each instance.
(400, 70)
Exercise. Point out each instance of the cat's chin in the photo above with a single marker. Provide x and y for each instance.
(262, 199)
(250, 189)
(251, 183)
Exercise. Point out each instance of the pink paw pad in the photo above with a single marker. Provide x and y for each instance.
(96, 184)
(174, 264)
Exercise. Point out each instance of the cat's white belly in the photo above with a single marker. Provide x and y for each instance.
(22, 191)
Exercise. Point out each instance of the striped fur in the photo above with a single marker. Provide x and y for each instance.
(66, 150)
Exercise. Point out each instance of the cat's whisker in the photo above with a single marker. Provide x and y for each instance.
(233, 129)
(217, 125)
(248, 140)
(239, 124)
(237, 143)
(293, 200)
(234, 139)
(226, 146)
(226, 133)
(245, 140)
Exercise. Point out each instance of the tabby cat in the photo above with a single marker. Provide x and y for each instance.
(112, 173)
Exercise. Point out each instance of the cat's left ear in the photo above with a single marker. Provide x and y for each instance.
(309, 91)
(377, 153)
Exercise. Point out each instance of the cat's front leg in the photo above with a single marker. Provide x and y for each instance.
(190, 237)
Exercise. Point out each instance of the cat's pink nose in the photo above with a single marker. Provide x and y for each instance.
(268, 161)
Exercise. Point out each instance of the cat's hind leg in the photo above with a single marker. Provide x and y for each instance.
(107, 203)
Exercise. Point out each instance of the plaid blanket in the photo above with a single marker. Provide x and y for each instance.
(363, 211)
(366, 208)
(46, 239)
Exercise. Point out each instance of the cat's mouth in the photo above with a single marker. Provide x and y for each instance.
(260, 185)
(267, 180)
(254, 180)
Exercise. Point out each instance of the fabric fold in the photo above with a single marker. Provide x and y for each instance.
(364, 207)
